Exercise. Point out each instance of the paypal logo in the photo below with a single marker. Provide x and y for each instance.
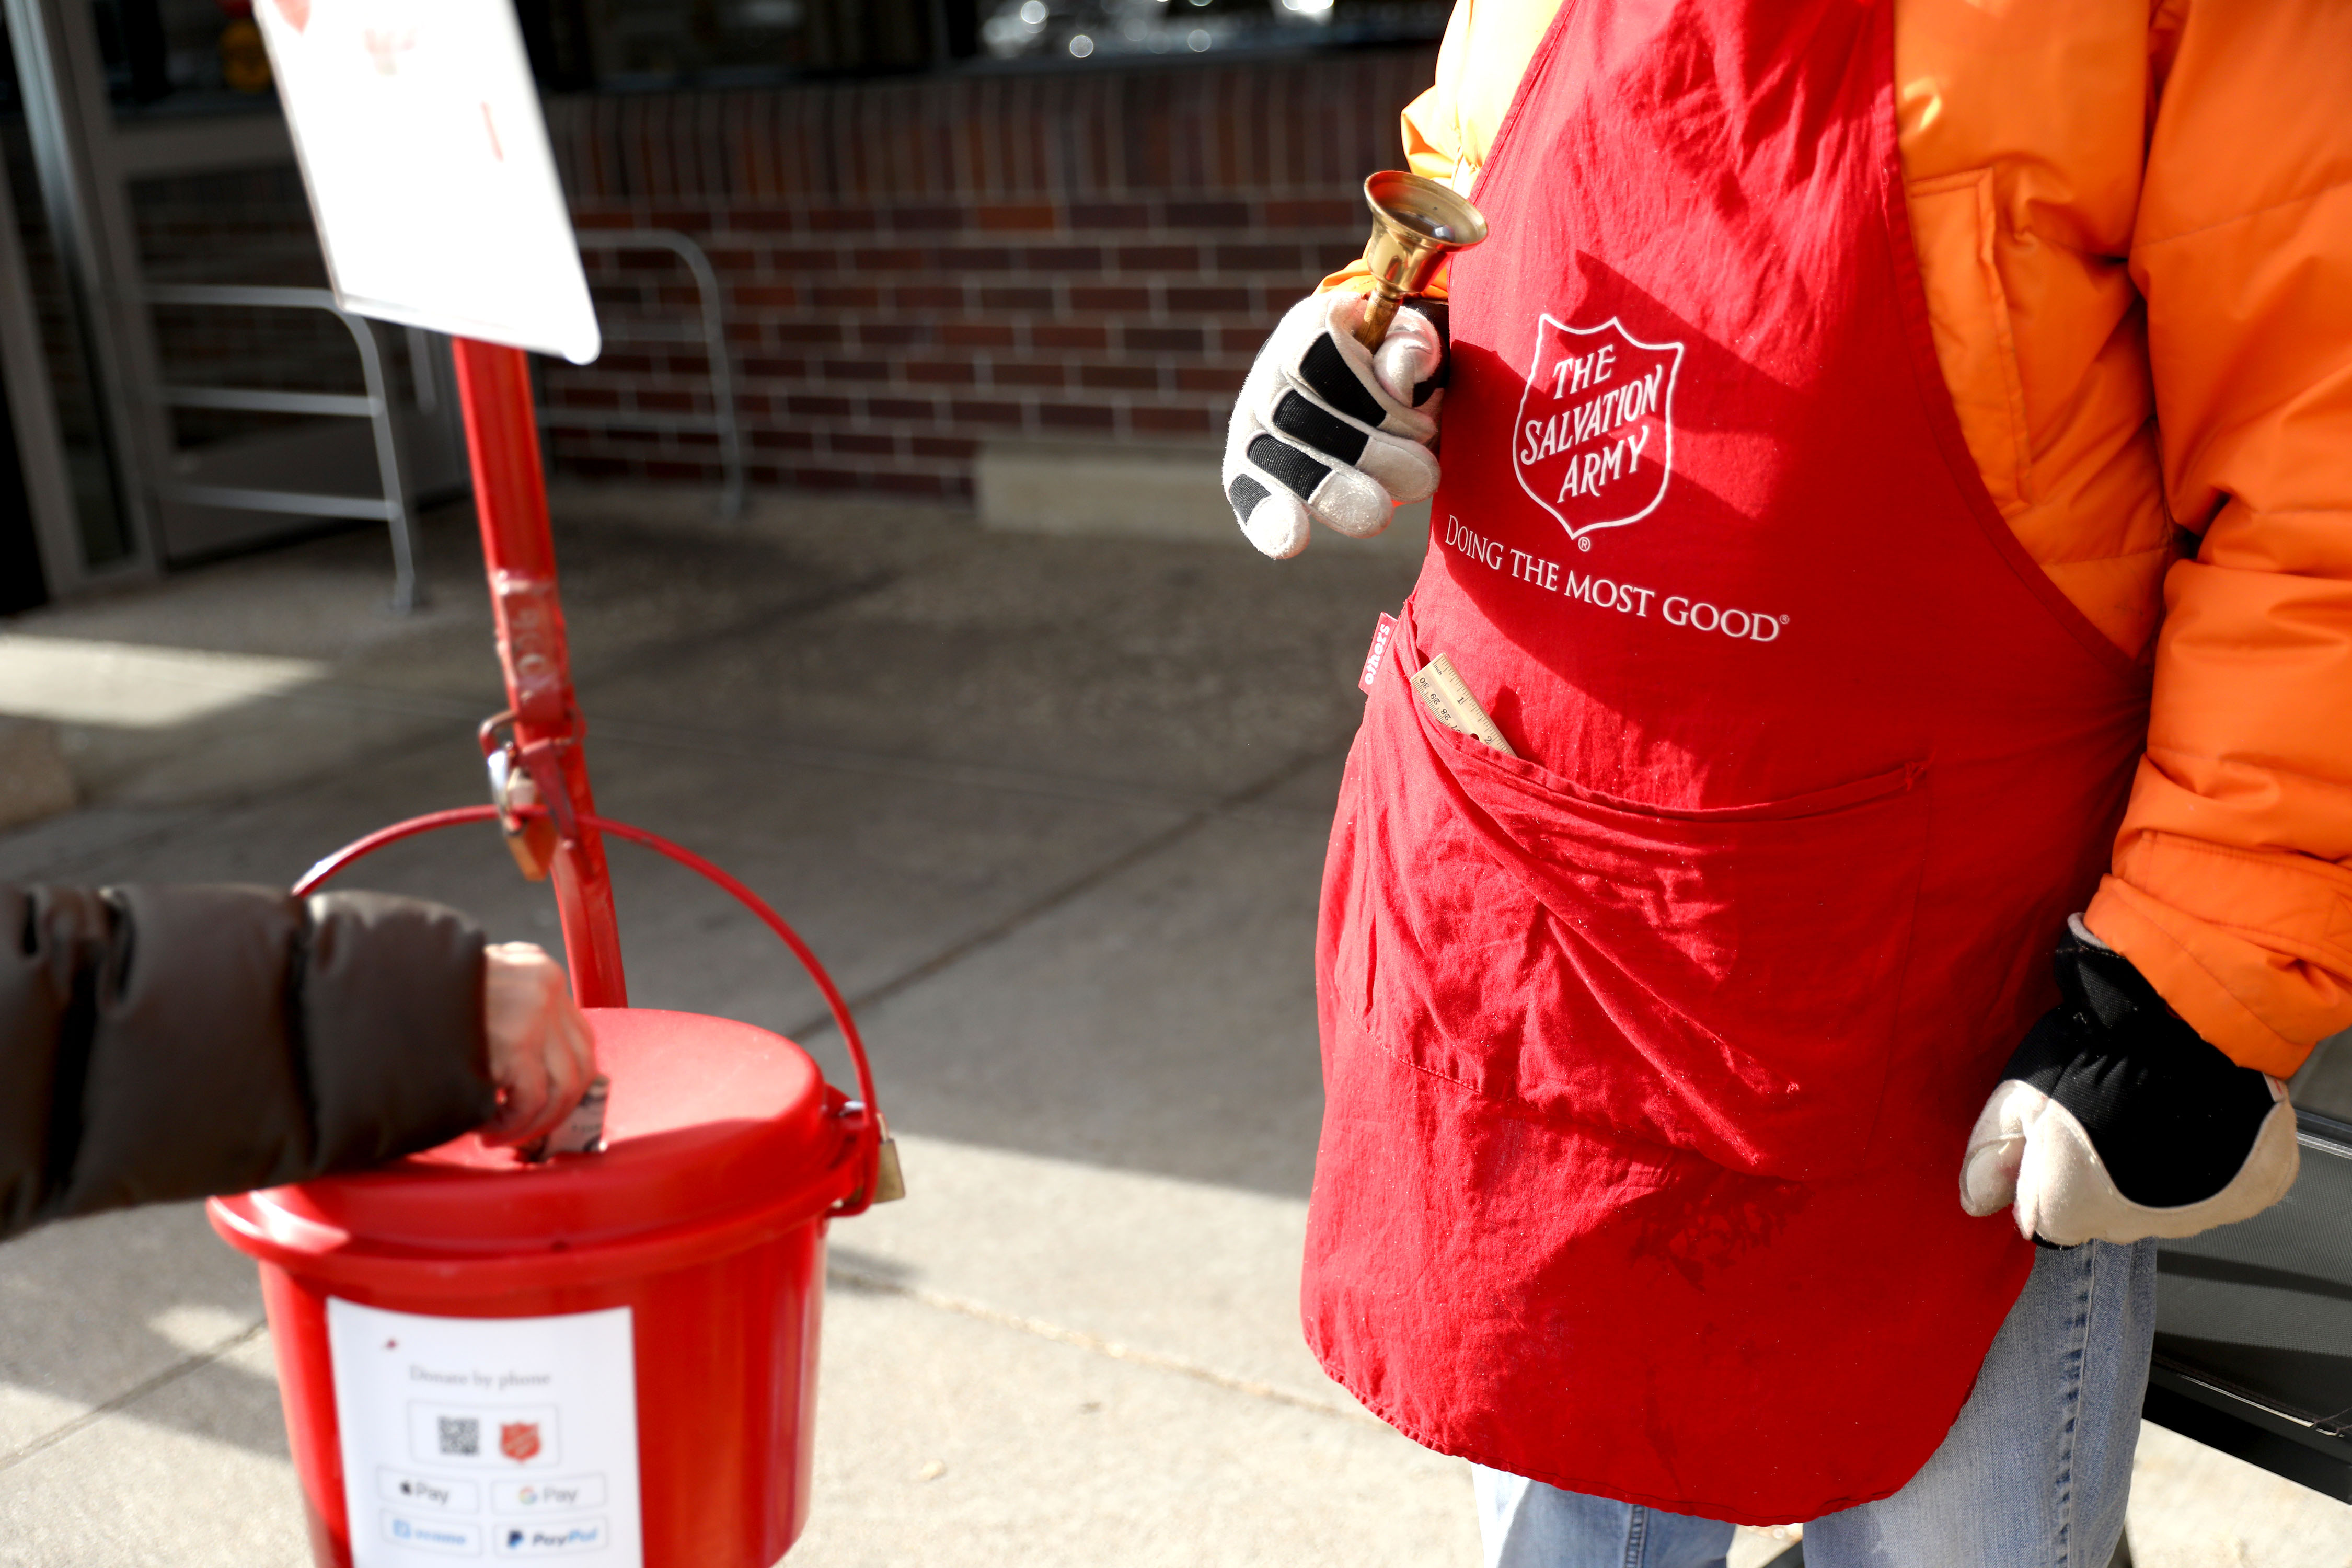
(552, 1540)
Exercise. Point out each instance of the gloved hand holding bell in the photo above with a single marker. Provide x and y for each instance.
(1336, 417)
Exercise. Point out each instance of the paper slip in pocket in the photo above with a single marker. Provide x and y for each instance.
(1451, 702)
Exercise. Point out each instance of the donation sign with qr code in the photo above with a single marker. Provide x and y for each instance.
(504, 1438)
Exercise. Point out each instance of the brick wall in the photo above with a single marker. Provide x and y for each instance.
(913, 268)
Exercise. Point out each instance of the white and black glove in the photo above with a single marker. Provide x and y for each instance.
(2114, 1121)
(1327, 428)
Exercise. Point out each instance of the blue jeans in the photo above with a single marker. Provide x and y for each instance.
(2034, 1473)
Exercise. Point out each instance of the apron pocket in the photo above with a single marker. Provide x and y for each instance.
(1723, 981)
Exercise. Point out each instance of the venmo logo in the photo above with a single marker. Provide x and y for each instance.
(450, 1536)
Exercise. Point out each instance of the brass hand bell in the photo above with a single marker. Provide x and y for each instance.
(1416, 224)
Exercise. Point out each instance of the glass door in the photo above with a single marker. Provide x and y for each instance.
(192, 423)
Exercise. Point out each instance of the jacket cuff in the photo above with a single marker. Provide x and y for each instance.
(2263, 986)
(391, 1019)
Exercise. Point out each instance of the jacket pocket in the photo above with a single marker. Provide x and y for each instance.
(1725, 980)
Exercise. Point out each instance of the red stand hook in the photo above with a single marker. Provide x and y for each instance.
(519, 553)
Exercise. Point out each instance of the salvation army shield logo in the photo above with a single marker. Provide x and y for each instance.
(518, 1441)
(1594, 443)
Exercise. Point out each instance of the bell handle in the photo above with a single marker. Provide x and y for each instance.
(1380, 309)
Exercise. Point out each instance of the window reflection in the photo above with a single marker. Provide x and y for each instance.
(177, 57)
(622, 44)
(626, 43)
(181, 57)
(1106, 30)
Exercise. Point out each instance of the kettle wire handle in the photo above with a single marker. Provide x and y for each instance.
(433, 821)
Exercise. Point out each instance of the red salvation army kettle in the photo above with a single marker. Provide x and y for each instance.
(607, 1357)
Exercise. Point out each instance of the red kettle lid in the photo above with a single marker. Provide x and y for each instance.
(706, 1117)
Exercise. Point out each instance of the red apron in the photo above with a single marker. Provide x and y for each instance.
(1649, 1058)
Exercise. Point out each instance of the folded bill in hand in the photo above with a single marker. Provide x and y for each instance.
(581, 1132)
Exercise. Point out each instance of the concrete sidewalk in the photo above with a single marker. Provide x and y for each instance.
(1054, 808)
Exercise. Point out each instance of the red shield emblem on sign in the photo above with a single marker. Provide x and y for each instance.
(1594, 445)
(518, 1441)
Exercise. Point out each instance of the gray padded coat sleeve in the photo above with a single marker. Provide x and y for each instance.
(163, 1043)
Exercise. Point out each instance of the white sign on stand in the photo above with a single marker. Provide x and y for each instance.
(420, 136)
(506, 1438)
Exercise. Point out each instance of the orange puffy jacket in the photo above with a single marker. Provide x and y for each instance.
(2135, 218)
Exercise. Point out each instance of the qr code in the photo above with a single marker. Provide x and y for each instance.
(461, 1434)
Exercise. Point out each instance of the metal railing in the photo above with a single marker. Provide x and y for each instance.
(721, 421)
(374, 405)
